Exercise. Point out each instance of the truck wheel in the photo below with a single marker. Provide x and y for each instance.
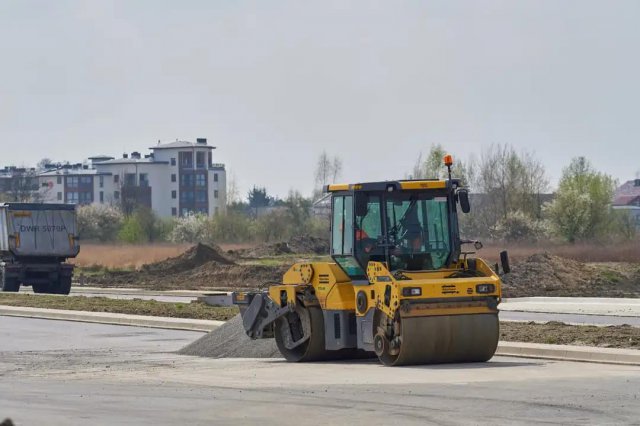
(63, 286)
(10, 284)
(40, 288)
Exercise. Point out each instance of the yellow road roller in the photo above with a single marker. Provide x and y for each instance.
(402, 286)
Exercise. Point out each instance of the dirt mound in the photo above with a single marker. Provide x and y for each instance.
(200, 267)
(230, 341)
(197, 255)
(547, 275)
(303, 244)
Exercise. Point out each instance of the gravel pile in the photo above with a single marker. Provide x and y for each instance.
(230, 341)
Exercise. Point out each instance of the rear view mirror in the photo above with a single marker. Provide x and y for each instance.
(463, 199)
(504, 260)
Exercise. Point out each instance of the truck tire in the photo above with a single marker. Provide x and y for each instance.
(63, 286)
(10, 284)
(40, 288)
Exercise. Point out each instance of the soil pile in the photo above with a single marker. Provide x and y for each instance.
(196, 256)
(300, 245)
(230, 341)
(547, 275)
(200, 267)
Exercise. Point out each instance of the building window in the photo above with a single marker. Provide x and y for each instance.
(201, 180)
(72, 197)
(59, 196)
(85, 197)
(210, 158)
(116, 178)
(215, 177)
(187, 196)
(186, 180)
(174, 194)
(101, 197)
(116, 195)
(72, 182)
(86, 180)
(144, 179)
(203, 210)
(59, 180)
(173, 163)
(173, 177)
(201, 196)
(130, 179)
(186, 159)
(174, 211)
(185, 211)
(101, 181)
(215, 194)
(200, 160)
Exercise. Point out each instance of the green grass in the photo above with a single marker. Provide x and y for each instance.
(194, 310)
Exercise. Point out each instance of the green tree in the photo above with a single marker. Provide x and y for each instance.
(581, 208)
(432, 167)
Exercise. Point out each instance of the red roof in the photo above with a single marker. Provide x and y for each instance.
(626, 200)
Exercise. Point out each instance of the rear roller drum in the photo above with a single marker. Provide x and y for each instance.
(290, 329)
(436, 339)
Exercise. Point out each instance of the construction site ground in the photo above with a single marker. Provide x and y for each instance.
(211, 268)
(58, 373)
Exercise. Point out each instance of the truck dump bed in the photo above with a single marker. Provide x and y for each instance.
(43, 230)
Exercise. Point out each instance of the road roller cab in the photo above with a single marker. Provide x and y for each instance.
(402, 284)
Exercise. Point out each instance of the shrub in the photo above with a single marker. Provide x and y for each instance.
(99, 223)
(518, 226)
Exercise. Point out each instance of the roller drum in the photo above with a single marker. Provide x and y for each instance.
(445, 339)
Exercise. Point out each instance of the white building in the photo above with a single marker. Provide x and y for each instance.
(176, 179)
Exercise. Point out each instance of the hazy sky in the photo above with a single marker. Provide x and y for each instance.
(273, 83)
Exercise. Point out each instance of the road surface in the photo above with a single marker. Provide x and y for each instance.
(65, 373)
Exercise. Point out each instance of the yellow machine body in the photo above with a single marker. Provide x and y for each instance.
(364, 303)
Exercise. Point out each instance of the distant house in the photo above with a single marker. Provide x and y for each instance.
(627, 197)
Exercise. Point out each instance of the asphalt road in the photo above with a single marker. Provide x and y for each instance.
(65, 373)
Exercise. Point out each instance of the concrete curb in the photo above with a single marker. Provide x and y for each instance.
(111, 318)
(570, 353)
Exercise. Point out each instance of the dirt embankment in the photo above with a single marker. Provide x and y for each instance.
(200, 267)
(547, 275)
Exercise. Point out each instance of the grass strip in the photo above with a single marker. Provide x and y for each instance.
(558, 333)
(193, 310)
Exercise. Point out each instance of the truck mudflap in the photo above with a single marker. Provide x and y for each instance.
(259, 313)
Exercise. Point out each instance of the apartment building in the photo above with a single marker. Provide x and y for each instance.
(175, 179)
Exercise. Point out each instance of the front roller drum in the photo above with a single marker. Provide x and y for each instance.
(439, 339)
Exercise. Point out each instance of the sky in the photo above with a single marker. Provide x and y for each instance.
(273, 84)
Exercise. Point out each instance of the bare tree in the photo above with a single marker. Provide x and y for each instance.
(23, 186)
(328, 170)
(509, 182)
(233, 193)
(336, 171)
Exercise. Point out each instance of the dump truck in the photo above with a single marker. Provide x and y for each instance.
(35, 242)
(403, 285)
